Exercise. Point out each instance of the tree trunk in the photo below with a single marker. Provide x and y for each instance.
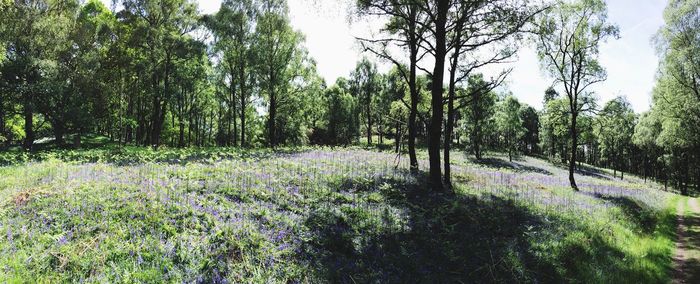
(369, 118)
(574, 143)
(243, 104)
(686, 175)
(77, 139)
(58, 131)
(28, 127)
(435, 129)
(413, 112)
(272, 135)
(397, 138)
(449, 125)
(2, 128)
(380, 132)
(234, 112)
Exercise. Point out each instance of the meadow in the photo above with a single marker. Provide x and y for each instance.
(310, 215)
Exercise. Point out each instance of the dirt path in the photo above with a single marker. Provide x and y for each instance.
(687, 258)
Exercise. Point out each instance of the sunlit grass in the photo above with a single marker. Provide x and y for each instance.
(311, 215)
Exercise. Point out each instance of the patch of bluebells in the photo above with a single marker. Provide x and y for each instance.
(243, 218)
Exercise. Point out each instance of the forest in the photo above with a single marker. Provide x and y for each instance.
(208, 148)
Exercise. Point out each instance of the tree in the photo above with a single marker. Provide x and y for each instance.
(509, 125)
(614, 130)
(531, 123)
(406, 21)
(478, 109)
(365, 85)
(646, 131)
(232, 26)
(676, 98)
(281, 62)
(341, 128)
(166, 24)
(468, 41)
(555, 127)
(33, 32)
(77, 99)
(567, 43)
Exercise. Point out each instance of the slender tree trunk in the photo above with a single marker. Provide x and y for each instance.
(449, 125)
(368, 109)
(77, 139)
(243, 104)
(2, 127)
(28, 126)
(181, 122)
(435, 130)
(234, 111)
(574, 142)
(58, 131)
(271, 125)
(228, 127)
(645, 168)
(412, 85)
(686, 175)
(397, 138)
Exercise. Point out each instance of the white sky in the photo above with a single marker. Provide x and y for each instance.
(631, 61)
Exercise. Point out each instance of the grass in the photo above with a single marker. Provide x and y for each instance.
(320, 215)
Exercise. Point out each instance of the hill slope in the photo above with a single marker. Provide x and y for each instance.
(322, 215)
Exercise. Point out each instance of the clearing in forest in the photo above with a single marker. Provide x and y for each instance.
(321, 215)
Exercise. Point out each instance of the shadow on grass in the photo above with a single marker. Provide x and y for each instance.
(446, 238)
(638, 212)
(586, 171)
(498, 163)
(452, 238)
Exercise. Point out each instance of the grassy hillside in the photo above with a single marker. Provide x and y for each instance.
(322, 215)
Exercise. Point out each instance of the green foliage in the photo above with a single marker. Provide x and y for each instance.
(531, 122)
(614, 129)
(477, 115)
(509, 124)
(342, 128)
(364, 85)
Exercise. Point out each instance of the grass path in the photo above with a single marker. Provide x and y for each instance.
(687, 257)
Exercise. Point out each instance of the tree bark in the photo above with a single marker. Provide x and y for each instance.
(28, 126)
(574, 143)
(449, 125)
(58, 130)
(368, 110)
(412, 85)
(243, 103)
(435, 129)
(397, 138)
(272, 135)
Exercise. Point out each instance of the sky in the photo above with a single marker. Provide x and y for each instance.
(631, 61)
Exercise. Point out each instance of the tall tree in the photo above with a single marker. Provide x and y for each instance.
(475, 33)
(614, 130)
(34, 32)
(568, 45)
(232, 26)
(365, 84)
(509, 125)
(407, 22)
(280, 61)
(531, 123)
(166, 25)
(478, 109)
(676, 100)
